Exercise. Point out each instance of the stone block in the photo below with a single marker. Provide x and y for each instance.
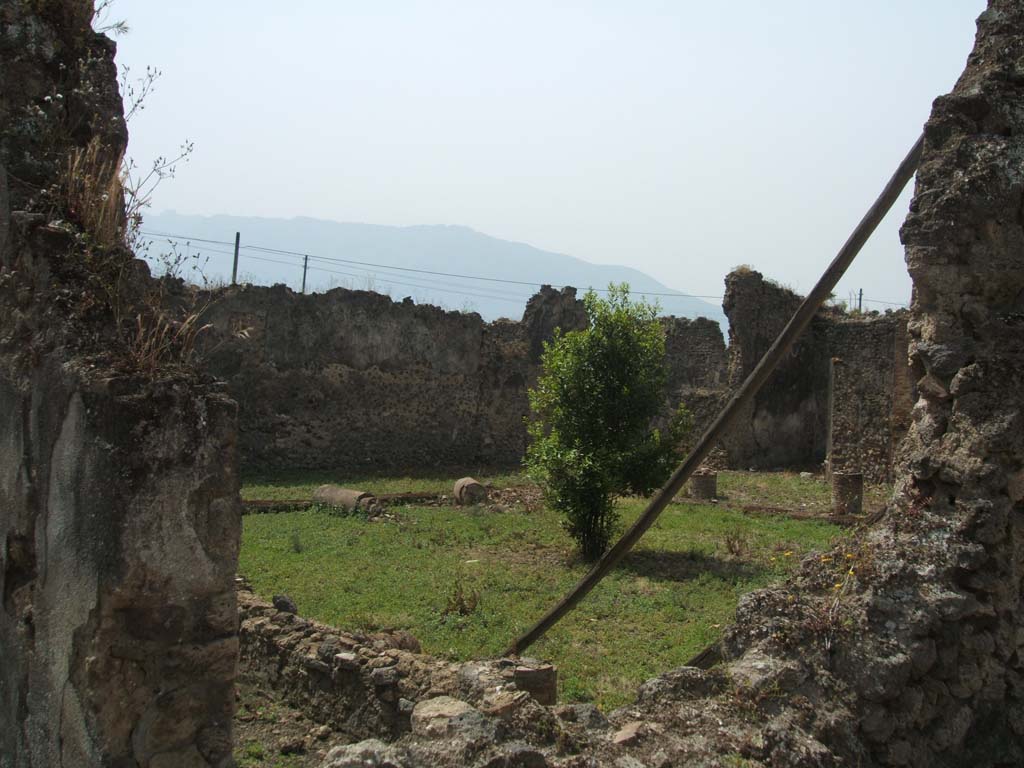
(541, 682)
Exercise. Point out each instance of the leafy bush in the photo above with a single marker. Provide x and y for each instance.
(591, 435)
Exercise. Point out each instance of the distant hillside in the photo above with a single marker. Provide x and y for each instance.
(449, 249)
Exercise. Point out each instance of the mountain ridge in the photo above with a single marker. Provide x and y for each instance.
(402, 261)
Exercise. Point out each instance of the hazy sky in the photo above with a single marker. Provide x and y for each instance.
(681, 138)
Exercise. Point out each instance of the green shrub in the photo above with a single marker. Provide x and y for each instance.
(591, 435)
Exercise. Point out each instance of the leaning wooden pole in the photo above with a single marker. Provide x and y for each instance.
(750, 387)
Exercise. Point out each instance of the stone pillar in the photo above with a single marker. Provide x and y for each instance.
(119, 628)
(847, 493)
(704, 485)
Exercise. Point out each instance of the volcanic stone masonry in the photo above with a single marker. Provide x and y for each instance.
(119, 519)
(119, 511)
(842, 397)
(870, 394)
(784, 425)
(903, 645)
(353, 380)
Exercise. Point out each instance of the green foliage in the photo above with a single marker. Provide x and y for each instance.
(591, 437)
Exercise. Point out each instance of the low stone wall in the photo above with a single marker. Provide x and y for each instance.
(368, 685)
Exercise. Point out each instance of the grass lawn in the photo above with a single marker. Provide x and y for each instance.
(300, 484)
(667, 601)
(790, 490)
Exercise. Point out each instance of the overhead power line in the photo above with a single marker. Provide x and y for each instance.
(388, 281)
(366, 274)
(890, 303)
(336, 260)
(432, 285)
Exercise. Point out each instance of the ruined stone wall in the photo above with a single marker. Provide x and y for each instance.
(697, 367)
(351, 379)
(368, 685)
(119, 518)
(901, 646)
(59, 91)
(842, 397)
(785, 424)
(547, 310)
(869, 399)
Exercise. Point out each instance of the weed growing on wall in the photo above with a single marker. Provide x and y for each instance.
(104, 194)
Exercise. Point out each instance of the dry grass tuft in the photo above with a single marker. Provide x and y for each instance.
(92, 192)
(737, 543)
(159, 341)
(461, 602)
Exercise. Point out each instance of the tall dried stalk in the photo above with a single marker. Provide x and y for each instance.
(158, 341)
(92, 192)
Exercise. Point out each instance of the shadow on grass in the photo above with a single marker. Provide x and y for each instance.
(687, 565)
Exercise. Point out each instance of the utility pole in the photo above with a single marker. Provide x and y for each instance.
(305, 266)
(860, 300)
(234, 267)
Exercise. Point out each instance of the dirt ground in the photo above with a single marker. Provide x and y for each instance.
(271, 734)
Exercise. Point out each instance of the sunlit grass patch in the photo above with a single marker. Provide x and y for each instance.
(668, 600)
